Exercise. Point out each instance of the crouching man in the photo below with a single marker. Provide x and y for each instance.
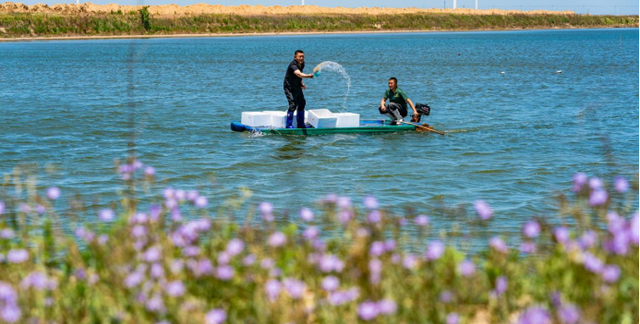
(394, 103)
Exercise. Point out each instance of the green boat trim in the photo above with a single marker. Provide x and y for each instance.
(367, 127)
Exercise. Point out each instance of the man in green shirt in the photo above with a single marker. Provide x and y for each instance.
(396, 106)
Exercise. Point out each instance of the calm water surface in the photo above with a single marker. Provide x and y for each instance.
(514, 138)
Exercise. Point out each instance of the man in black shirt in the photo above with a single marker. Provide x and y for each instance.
(293, 87)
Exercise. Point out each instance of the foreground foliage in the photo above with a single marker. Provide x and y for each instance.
(173, 262)
(140, 23)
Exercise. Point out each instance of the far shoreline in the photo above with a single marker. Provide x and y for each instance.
(270, 34)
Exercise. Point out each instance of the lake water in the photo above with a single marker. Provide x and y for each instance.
(514, 139)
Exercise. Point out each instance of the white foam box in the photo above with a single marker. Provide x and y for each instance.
(322, 118)
(278, 118)
(254, 118)
(347, 120)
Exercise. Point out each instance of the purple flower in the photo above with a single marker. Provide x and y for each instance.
(201, 202)
(330, 283)
(267, 263)
(149, 171)
(53, 193)
(7, 293)
(216, 316)
(368, 310)
(375, 265)
(579, 180)
(17, 256)
(561, 234)
(528, 247)
(501, 285)
(446, 296)
(344, 216)
(6, 233)
(453, 318)
(569, 314)
(344, 202)
(329, 262)
(389, 245)
(534, 315)
(249, 260)
(310, 233)
(10, 313)
(370, 202)
(435, 249)
(153, 254)
(277, 239)
(138, 231)
(133, 279)
(306, 214)
(2, 207)
(106, 215)
(224, 258)
(592, 263)
(466, 268)
(157, 271)
(387, 307)
(377, 248)
(175, 288)
(531, 229)
(598, 197)
(588, 239)
(235, 247)
(224, 272)
(168, 193)
(482, 208)
(410, 262)
(294, 287)
(272, 288)
(36, 280)
(498, 244)
(595, 183)
(621, 184)
(422, 220)
(611, 273)
(155, 304)
(265, 208)
(341, 297)
(374, 217)
(204, 267)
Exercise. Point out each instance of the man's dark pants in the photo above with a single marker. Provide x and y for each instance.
(296, 102)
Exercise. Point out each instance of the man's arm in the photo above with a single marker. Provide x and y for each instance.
(302, 75)
(382, 107)
(415, 112)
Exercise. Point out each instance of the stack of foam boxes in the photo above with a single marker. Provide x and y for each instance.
(323, 118)
(318, 118)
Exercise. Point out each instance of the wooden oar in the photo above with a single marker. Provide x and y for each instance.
(423, 127)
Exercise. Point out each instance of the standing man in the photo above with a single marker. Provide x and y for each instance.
(293, 87)
(396, 107)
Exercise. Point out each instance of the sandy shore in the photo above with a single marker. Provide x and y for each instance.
(173, 10)
(22, 39)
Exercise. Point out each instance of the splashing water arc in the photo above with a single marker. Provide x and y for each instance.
(335, 67)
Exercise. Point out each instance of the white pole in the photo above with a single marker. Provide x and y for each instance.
(454, 4)
(476, 4)
(303, 2)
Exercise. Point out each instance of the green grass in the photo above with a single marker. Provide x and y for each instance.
(38, 24)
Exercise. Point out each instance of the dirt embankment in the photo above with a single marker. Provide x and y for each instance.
(246, 10)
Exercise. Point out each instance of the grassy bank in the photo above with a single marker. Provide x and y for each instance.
(14, 25)
(173, 261)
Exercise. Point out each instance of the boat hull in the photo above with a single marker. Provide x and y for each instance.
(366, 127)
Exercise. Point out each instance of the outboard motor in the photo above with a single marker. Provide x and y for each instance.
(423, 110)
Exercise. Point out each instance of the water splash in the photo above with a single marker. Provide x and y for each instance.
(329, 66)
